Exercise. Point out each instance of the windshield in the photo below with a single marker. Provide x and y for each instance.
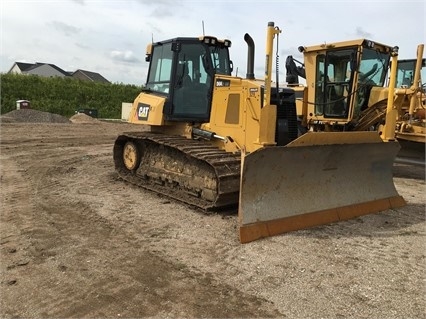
(220, 60)
(160, 72)
(373, 67)
(405, 73)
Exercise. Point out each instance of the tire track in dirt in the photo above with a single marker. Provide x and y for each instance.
(109, 248)
(97, 263)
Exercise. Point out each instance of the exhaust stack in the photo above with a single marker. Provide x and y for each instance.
(250, 56)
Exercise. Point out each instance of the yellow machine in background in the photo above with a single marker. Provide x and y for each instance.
(218, 140)
(366, 107)
(411, 123)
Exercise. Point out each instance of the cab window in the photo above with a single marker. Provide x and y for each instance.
(159, 75)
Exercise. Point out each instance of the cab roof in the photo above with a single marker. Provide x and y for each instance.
(344, 44)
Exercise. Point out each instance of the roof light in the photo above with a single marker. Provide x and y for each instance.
(369, 44)
(214, 41)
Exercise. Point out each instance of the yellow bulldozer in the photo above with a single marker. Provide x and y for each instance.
(218, 140)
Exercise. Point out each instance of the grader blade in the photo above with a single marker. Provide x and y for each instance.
(318, 179)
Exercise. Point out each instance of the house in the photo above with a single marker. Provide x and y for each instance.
(41, 69)
(20, 67)
(89, 76)
(49, 70)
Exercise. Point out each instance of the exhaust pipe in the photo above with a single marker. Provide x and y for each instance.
(250, 56)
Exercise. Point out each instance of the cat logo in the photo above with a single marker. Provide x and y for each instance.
(143, 111)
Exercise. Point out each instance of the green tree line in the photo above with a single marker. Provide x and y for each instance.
(65, 95)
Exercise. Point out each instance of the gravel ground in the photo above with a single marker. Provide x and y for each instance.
(76, 241)
(33, 116)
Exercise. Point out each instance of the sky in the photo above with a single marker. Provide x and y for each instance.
(110, 37)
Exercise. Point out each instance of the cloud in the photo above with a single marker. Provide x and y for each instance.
(162, 13)
(162, 8)
(363, 34)
(82, 46)
(81, 2)
(67, 29)
(124, 56)
(127, 26)
(159, 2)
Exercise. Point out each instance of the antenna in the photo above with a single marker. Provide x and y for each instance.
(202, 22)
(152, 37)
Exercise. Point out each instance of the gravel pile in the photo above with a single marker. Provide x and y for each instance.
(33, 116)
(83, 118)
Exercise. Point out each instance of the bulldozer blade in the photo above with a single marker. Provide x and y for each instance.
(305, 184)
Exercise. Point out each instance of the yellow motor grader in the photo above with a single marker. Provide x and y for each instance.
(371, 91)
(411, 122)
(218, 140)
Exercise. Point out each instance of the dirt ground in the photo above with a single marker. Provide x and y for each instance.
(76, 241)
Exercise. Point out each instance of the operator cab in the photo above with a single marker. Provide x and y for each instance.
(182, 70)
(344, 74)
(405, 73)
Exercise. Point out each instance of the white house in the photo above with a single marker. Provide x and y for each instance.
(49, 70)
(41, 69)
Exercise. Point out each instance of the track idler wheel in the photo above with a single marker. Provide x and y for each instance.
(131, 156)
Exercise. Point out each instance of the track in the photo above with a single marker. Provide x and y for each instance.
(191, 171)
(410, 161)
(411, 153)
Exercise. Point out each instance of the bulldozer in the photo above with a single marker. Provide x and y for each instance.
(217, 141)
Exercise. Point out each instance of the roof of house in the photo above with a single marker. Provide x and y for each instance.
(23, 66)
(81, 74)
(38, 64)
(92, 76)
(26, 67)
